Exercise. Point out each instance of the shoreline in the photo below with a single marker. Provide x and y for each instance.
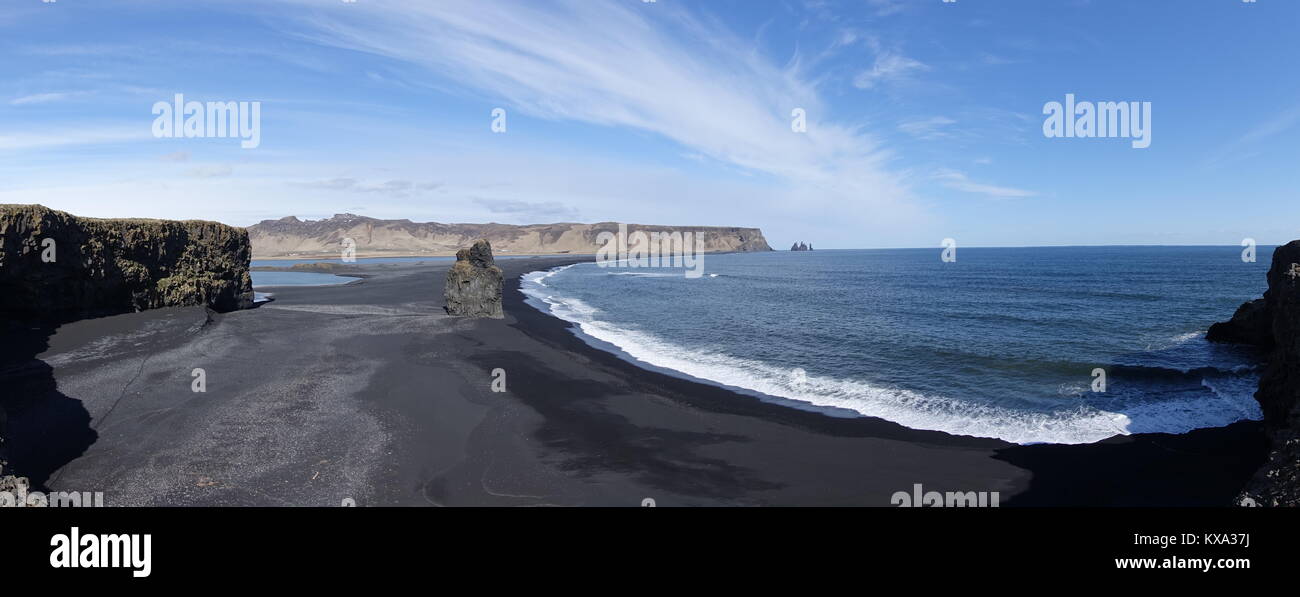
(1203, 467)
(359, 258)
(368, 391)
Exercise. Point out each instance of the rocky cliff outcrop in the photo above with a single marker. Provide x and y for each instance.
(56, 267)
(291, 236)
(1273, 323)
(801, 247)
(1249, 325)
(7, 482)
(473, 286)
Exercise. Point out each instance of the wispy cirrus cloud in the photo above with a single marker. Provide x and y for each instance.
(70, 136)
(927, 128)
(211, 171)
(397, 188)
(529, 211)
(44, 98)
(890, 66)
(884, 8)
(625, 65)
(1246, 145)
(960, 182)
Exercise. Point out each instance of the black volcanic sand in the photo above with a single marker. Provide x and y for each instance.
(368, 391)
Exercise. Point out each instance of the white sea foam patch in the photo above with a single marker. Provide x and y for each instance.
(1236, 394)
(1082, 424)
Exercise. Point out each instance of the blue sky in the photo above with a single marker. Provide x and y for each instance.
(924, 117)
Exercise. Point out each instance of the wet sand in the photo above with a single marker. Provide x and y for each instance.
(368, 392)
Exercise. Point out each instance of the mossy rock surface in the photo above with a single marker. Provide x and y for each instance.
(106, 266)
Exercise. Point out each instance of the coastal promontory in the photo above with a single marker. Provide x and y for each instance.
(371, 237)
(57, 266)
(1273, 324)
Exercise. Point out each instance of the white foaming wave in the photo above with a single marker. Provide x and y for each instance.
(1237, 393)
(905, 407)
(539, 278)
(1084, 424)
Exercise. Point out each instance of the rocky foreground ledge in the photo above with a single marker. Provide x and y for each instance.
(56, 266)
(1273, 324)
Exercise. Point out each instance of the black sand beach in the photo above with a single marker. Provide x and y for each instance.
(367, 391)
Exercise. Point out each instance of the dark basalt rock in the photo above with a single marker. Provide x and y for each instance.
(4, 452)
(801, 247)
(473, 287)
(1249, 325)
(1278, 482)
(103, 267)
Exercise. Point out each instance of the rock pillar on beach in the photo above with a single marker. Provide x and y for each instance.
(473, 286)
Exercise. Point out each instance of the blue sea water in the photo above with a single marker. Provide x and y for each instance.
(1002, 343)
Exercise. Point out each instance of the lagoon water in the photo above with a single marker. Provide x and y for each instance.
(268, 279)
(1002, 343)
(263, 279)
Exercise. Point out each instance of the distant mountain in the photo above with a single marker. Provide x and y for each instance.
(310, 238)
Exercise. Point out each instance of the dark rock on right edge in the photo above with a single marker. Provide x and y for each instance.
(1273, 323)
(1249, 325)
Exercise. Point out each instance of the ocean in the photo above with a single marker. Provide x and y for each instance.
(1002, 343)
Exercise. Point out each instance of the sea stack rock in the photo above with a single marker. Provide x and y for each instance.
(58, 267)
(1273, 323)
(801, 247)
(473, 286)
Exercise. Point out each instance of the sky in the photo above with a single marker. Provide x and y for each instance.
(923, 119)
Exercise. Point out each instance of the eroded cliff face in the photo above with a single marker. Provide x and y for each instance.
(1273, 323)
(56, 267)
(373, 238)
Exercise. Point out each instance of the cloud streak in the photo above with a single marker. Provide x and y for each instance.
(86, 135)
(43, 98)
(958, 181)
(625, 65)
